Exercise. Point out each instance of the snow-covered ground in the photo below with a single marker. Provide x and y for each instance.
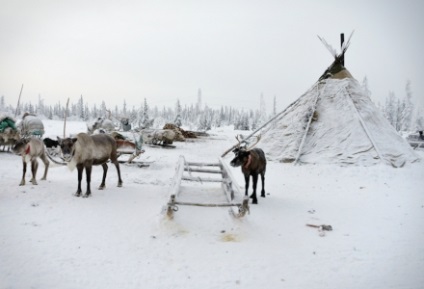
(119, 238)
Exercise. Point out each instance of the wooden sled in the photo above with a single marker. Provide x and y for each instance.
(229, 187)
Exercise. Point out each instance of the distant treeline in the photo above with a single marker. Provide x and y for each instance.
(402, 113)
(194, 116)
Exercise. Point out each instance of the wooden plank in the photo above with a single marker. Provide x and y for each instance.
(364, 126)
(235, 189)
(312, 112)
(208, 205)
(189, 169)
(175, 188)
(199, 179)
(231, 188)
(203, 164)
(178, 176)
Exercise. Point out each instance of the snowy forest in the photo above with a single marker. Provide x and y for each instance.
(193, 116)
(402, 112)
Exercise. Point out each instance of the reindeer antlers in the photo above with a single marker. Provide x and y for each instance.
(240, 139)
(258, 138)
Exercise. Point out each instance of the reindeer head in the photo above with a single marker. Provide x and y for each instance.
(242, 151)
(20, 146)
(66, 146)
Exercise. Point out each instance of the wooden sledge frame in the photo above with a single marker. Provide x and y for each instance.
(228, 185)
(134, 154)
(7, 140)
(128, 146)
(416, 144)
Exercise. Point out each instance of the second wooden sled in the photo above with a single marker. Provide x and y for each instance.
(234, 197)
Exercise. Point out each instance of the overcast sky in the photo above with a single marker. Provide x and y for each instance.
(233, 51)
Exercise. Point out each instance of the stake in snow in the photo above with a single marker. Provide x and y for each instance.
(252, 162)
(30, 149)
(84, 151)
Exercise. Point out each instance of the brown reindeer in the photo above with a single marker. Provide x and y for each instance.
(124, 146)
(252, 162)
(30, 149)
(84, 151)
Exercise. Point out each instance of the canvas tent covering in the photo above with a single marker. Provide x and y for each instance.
(31, 126)
(335, 122)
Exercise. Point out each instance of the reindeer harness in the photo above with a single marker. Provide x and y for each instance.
(27, 150)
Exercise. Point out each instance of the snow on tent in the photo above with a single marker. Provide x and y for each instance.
(334, 122)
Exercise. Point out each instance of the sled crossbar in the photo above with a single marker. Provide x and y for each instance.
(203, 164)
(202, 170)
(199, 179)
(208, 205)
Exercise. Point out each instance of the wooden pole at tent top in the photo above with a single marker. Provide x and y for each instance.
(19, 101)
(341, 45)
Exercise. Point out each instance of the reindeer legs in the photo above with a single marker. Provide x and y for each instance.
(34, 167)
(103, 184)
(80, 168)
(46, 166)
(255, 183)
(24, 172)
(119, 173)
(263, 185)
(114, 160)
(88, 168)
(246, 184)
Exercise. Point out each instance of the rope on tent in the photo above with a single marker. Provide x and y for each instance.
(310, 120)
(308, 125)
(364, 126)
(262, 126)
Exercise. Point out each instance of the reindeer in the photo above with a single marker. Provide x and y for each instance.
(50, 143)
(52, 147)
(100, 123)
(252, 162)
(84, 151)
(30, 149)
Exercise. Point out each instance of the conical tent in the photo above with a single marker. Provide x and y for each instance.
(335, 122)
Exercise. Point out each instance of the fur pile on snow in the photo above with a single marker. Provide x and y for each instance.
(335, 122)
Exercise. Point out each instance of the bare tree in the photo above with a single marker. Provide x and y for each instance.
(408, 109)
(390, 109)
